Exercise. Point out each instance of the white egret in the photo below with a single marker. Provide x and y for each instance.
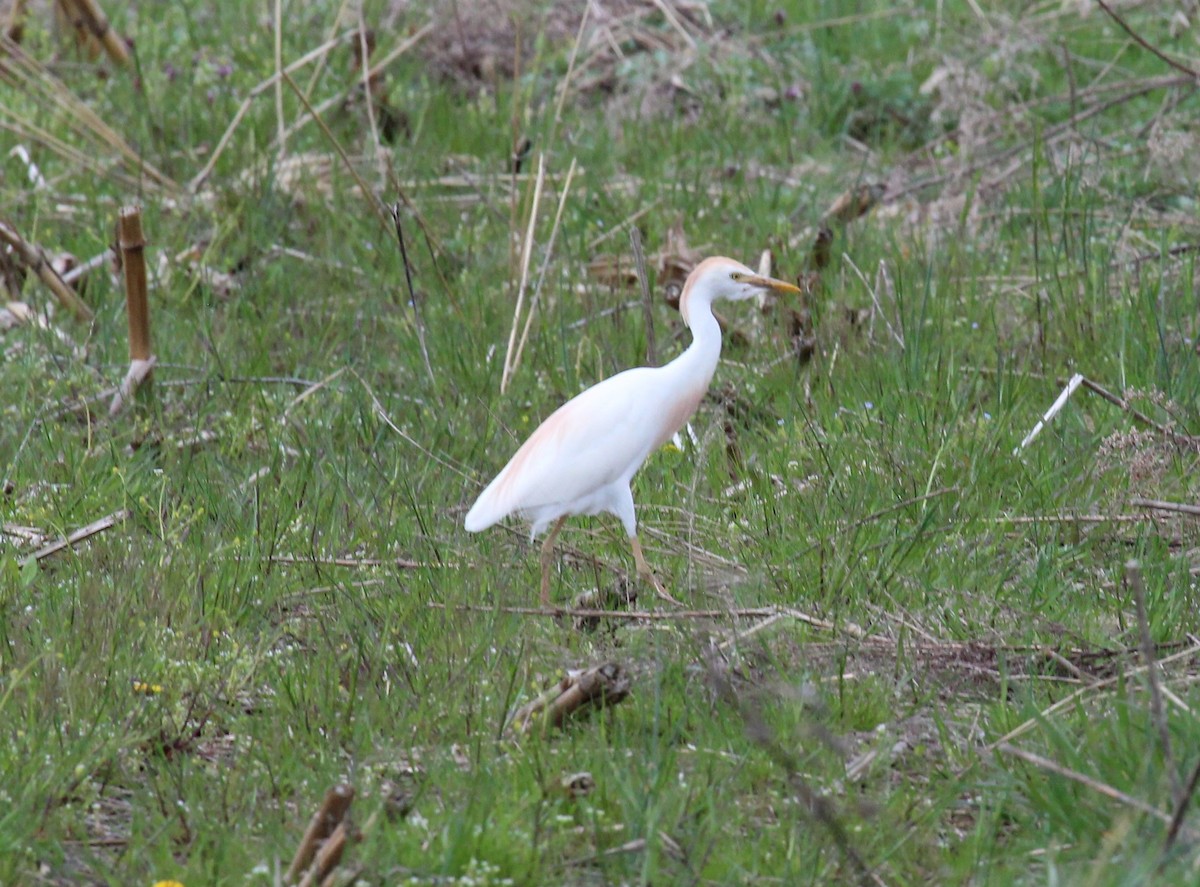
(582, 458)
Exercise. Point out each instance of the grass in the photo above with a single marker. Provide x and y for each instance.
(178, 692)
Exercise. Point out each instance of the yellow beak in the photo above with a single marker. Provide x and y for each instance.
(770, 283)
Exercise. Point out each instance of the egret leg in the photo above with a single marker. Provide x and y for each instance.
(647, 574)
(547, 557)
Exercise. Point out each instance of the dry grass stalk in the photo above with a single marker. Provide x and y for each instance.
(34, 258)
(97, 526)
(90, 24)
(321, 828)
(1160, 505)
(526, 254)
(1083, 779)
(25, 74)
(579, 692)
(16, 21)
(535, 300)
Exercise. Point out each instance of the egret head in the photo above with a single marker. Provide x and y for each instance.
(722, 278)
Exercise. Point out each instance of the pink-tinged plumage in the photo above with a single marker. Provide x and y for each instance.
(581, 459)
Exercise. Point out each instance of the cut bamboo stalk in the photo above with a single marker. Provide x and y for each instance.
(132, 245)
(133, 257)
(34, 258)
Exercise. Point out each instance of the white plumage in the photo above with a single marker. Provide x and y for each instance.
(581, 459)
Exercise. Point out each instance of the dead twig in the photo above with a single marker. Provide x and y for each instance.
(1181, 807)
(1142, 42)
(1160, 505)
(97, 526)
(418, 320)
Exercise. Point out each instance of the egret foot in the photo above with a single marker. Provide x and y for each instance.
(644, 571)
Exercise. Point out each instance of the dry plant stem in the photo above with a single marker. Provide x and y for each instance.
(352, 562)
(660, 616)
(1061, 401)
(1094, 784)
(1141, 41)
(1096, 388)
(93, 17)
(639, 259)
(34, 258)
(16, 20)
(97, 526)
(133, 260)
(1133, 575)
(223, 142)
(368, 195)
(526, 255)
(1067, 701)
(139, 371)
(578, 692)
(327, 858)
(418, 320)
(537, 289)
(280, 122)
(323, 823)
(1181, 808)
(35, 79)
(1160, 505)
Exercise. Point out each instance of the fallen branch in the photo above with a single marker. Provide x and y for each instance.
(578, 693)
(97, 526)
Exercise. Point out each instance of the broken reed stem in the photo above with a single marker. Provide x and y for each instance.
(526, 255)
(639, 259)
(1133, 575)
(327, 858)
(34, 258)
(1075, 776)
(320, 828)
(92, 17)
(16, 20)
(537, 289)
(133, 260)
